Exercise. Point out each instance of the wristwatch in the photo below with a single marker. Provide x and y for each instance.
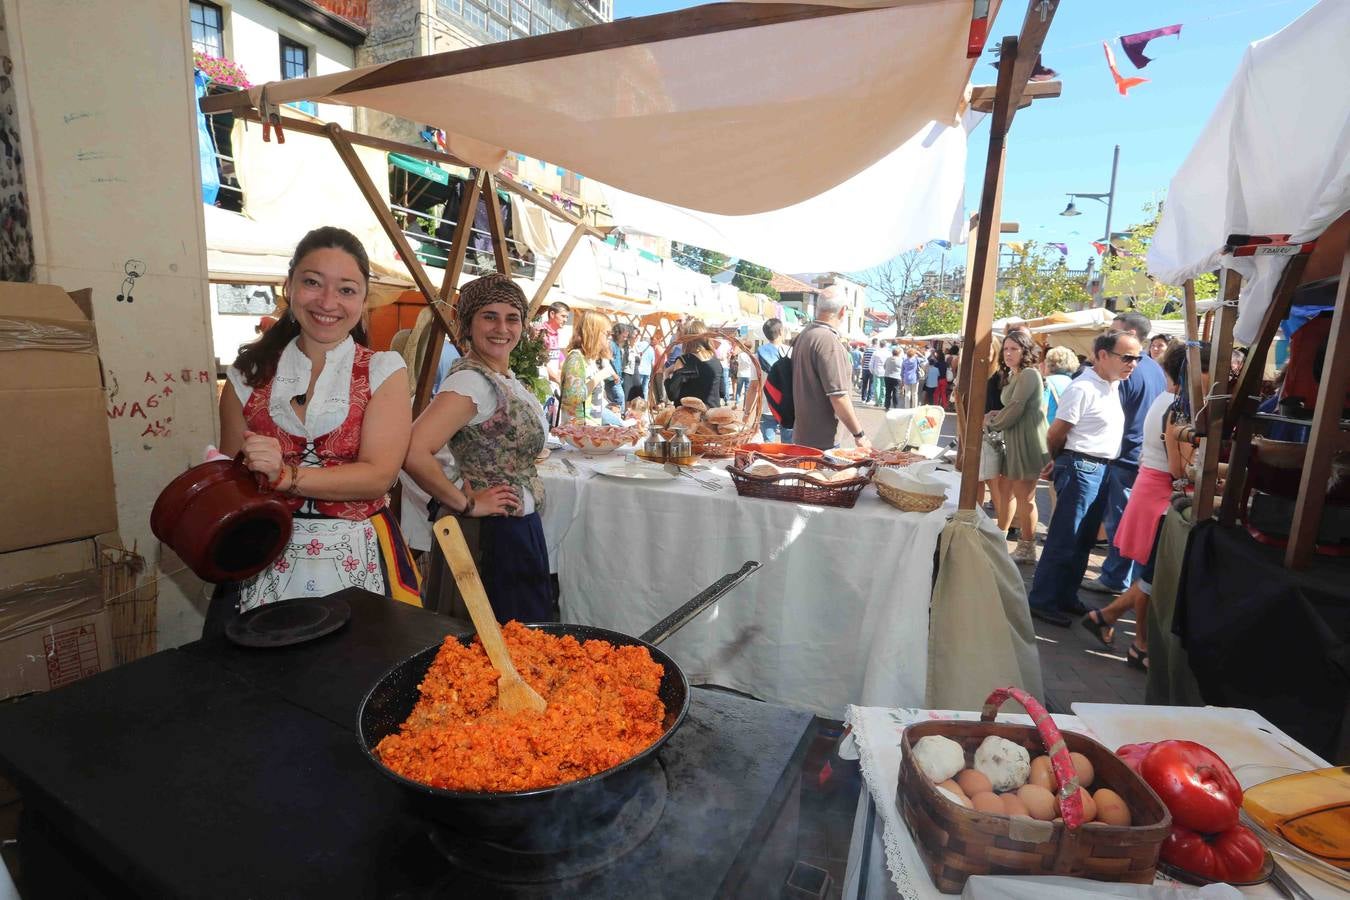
(857, 435)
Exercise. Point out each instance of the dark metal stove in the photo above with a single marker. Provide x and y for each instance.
(220, 771)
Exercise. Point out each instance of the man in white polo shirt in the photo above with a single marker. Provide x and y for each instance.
(1083, 439)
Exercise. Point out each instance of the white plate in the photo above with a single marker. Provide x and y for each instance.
(638, 471)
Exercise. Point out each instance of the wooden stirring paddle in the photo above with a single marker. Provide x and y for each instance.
(513, 694)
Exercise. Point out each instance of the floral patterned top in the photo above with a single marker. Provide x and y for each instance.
(502, 449)
(579, 401)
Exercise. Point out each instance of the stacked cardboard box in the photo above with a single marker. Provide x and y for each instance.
(56, 482)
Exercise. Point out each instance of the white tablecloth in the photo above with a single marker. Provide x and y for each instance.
(837, 615)
(883, 861)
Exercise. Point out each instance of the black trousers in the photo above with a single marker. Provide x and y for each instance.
(892, 392)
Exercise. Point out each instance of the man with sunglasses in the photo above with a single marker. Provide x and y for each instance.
(1137, 394)
(1083, 439)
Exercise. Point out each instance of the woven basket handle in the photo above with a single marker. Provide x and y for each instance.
(1070, 800)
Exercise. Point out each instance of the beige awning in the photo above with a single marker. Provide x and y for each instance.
(730, 108)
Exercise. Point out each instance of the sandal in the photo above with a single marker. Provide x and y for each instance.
(1098, 628)
(1136, 658)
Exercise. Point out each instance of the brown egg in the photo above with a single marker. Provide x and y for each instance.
(988, 802)
(1083, 767)
(1039, 803)
(973, 782)
(1013, 805)
(1089, 806)
(1111, 808)
(1041, 774)
(955, 788)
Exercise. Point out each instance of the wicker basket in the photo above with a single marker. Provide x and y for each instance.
(799, 488)
(956, 842)
(908, 501)
(718, 445)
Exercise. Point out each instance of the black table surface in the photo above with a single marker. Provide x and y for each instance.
(216, 770)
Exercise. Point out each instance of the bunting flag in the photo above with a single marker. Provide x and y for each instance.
(1122, 84)
(1134, 44)
(1016, 246)
(1062, 248)
(945, 245)
(1099, 247)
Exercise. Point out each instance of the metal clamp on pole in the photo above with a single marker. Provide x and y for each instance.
(270, 113)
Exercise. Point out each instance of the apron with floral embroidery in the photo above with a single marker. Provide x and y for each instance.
(503, 448)
(333, 542)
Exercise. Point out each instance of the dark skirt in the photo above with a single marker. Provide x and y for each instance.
(512, 561)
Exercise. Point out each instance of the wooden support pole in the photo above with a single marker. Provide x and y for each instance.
(1220, 362)
(1194, 390)
(551, 276)
(496, 225)
(973, 380)
(376, 201)
(1325, 436)
(1247, 392)
(454, 265)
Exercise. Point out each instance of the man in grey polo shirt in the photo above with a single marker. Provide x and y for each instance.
(1083, 440)
(822, 377)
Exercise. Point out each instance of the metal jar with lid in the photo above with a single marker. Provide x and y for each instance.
(655, 446)
(679, 446)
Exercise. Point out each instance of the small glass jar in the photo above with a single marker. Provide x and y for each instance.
(679, 446)
(656, 446)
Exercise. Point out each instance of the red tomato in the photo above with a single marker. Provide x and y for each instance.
(1197, 787)
(1133, 753)
(1232, 855)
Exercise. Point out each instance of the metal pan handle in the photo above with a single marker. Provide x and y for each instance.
(682, 616)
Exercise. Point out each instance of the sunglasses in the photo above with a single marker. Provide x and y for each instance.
(1127, 358)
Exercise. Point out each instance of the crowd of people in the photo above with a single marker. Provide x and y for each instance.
(895, 376)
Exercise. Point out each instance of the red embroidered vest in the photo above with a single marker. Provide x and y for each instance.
(341, 445)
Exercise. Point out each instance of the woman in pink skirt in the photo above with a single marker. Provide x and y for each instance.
(1160, 461)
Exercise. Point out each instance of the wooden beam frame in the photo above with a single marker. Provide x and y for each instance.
(973, 381)
(454, 265)
(1325, 436)
(551, 276)
(982, 95)
(1194, 388)
(1247, 391)
(1221, 352)
(496, 224)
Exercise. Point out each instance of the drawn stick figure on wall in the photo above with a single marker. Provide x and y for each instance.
(134, 269)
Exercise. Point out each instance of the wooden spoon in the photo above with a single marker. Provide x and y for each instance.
(513, 694)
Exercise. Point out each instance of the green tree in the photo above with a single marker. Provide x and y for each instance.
(1127, 277)
(709, 262)
(937, 315)
(1038, 283)
(754, 279)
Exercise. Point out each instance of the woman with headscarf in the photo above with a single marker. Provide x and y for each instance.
(326, 421)
(495, 428)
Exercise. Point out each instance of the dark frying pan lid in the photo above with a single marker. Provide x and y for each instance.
(289, 622)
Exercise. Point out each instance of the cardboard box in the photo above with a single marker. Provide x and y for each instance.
(56, 473)
(55, 655)
(37, 563)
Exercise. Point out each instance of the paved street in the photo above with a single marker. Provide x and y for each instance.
(1074, 666)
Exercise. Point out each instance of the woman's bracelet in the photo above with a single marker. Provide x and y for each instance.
(294, 487)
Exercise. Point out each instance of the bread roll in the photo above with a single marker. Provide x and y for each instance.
(730, 428)
(662, 417)
(684, 417)
(724, 415)
(694, 403)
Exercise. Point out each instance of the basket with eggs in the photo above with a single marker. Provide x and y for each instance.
(990, 798)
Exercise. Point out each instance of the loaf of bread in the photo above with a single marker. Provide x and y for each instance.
(724, 415)
(694, 403)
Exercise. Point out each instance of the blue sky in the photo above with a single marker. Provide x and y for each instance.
(1065, 144)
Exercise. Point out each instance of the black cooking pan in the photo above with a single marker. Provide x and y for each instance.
(536, 818)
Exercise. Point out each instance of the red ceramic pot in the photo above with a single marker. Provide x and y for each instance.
(221, 521)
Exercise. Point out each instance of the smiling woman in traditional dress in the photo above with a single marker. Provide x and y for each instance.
(495, 427)
(326, 421)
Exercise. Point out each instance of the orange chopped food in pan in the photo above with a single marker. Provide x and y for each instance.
(602, 710)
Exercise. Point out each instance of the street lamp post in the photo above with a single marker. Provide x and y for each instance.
(1109, 198)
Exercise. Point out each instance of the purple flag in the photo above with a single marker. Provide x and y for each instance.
(1134, 44)
(1062, 248)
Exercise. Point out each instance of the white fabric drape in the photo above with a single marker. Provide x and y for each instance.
(913, 195)
(1274, 158)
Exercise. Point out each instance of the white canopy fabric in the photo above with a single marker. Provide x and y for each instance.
(733, 122)
(913, 195)
(1273, 159)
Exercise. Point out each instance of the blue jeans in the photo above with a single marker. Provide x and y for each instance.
(726, 387)
(742, 385)
(865, 387)
(1118, 572)
(1079, 484)
(768, 426)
